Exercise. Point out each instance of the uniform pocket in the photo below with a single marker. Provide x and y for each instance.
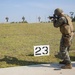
(67, 41)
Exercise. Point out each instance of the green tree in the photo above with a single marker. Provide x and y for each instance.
(73, 19)
(39, 18)
(23, 18)
(7, 19)
(72, 13)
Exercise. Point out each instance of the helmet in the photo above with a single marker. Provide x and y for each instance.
(58, 11)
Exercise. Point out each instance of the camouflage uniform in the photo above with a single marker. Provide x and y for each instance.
(67, 36)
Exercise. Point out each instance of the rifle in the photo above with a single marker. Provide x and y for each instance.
(53, 17)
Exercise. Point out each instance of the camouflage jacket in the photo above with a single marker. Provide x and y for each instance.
(65, 24)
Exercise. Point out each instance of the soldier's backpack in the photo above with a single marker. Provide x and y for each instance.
(67, 28)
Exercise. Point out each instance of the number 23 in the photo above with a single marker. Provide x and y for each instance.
(45, 50)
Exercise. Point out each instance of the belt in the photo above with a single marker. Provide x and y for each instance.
(67, 35)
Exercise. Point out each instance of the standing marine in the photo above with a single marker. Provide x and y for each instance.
(64, 22)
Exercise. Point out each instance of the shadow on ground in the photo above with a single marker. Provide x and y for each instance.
(14, 60)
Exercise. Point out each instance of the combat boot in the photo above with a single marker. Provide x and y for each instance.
(67, 66)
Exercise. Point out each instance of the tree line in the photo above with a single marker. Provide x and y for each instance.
(23, 20)
(39, 18)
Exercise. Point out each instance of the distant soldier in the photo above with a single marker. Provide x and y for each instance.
(64, 22)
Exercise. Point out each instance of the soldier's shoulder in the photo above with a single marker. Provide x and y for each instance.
(66, 15)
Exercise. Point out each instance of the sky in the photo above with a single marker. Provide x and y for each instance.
(32, 9)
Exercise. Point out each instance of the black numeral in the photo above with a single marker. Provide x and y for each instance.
(41, 50)
(38, 51)
(45, 50)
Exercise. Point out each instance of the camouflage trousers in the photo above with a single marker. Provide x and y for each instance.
(64, 50)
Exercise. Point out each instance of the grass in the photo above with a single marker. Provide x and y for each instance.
(17, 42)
